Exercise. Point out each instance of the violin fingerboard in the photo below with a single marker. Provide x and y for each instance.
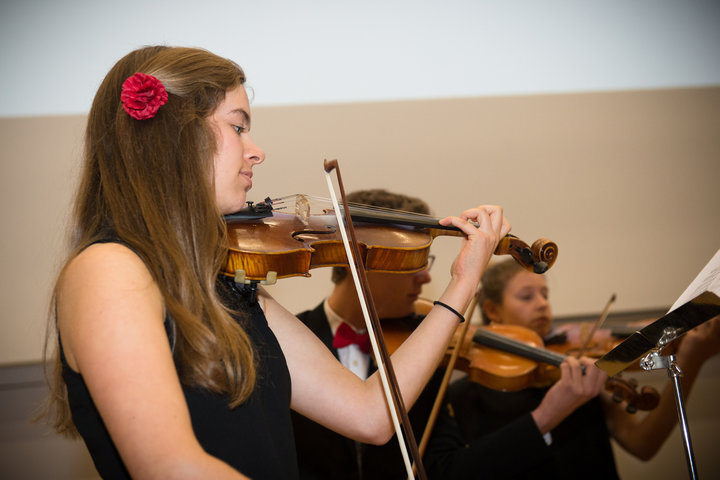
(500, 342)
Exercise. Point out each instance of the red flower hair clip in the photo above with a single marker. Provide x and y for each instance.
(142, 95)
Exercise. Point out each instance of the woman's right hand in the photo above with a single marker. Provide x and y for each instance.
(570, 392)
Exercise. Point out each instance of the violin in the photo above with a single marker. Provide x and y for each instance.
(569, 337)
(512, 357)
(266, 244)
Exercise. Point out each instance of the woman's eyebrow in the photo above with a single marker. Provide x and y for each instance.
(243, 114)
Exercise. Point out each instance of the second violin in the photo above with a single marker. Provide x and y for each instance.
(512, 357)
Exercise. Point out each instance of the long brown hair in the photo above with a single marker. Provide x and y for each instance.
(149, 184)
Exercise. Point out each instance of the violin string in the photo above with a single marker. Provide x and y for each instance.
(319, 202)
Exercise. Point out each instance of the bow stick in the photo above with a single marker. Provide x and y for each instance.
(598, 324)
(372, 322)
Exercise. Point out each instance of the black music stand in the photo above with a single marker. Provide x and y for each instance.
(646, 347)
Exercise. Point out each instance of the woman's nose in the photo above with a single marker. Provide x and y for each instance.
(252, 152)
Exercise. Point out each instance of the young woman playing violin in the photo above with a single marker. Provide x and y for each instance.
(558, 432)
(165, 368)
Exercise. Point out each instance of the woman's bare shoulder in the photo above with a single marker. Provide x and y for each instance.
(106, 287)
(102, 263)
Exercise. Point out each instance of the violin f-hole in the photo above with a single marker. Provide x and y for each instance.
(331, 230)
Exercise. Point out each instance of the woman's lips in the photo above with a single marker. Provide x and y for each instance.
(248, 177)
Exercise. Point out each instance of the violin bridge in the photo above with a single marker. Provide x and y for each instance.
(302, 208)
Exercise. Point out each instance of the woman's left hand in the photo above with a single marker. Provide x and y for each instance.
(481, 240)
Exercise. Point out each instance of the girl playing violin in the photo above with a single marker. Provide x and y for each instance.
(557, 432)
(165, 368)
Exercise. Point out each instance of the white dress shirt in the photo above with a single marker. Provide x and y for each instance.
(351, 356)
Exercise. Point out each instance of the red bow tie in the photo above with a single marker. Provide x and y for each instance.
(345, 336)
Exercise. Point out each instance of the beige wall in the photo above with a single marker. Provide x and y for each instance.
(624, 182)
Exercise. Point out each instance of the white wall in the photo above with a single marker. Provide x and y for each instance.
(53, 54)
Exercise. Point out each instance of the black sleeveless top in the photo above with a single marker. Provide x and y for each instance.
(255, 438)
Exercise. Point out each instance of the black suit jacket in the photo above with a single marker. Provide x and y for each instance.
(493, 432)
(324, 454)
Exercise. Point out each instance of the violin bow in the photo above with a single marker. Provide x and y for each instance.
(372, 322)
(597, 325)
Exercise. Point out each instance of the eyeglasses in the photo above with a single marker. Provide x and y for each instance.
(430, 261)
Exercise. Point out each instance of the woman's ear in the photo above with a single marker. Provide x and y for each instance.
(491, 310)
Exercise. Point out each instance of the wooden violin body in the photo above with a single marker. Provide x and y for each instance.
(286, 244)
(499, 369)
(263, 241)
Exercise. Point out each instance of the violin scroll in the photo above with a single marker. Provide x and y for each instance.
(538, 258)
(545, 251)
